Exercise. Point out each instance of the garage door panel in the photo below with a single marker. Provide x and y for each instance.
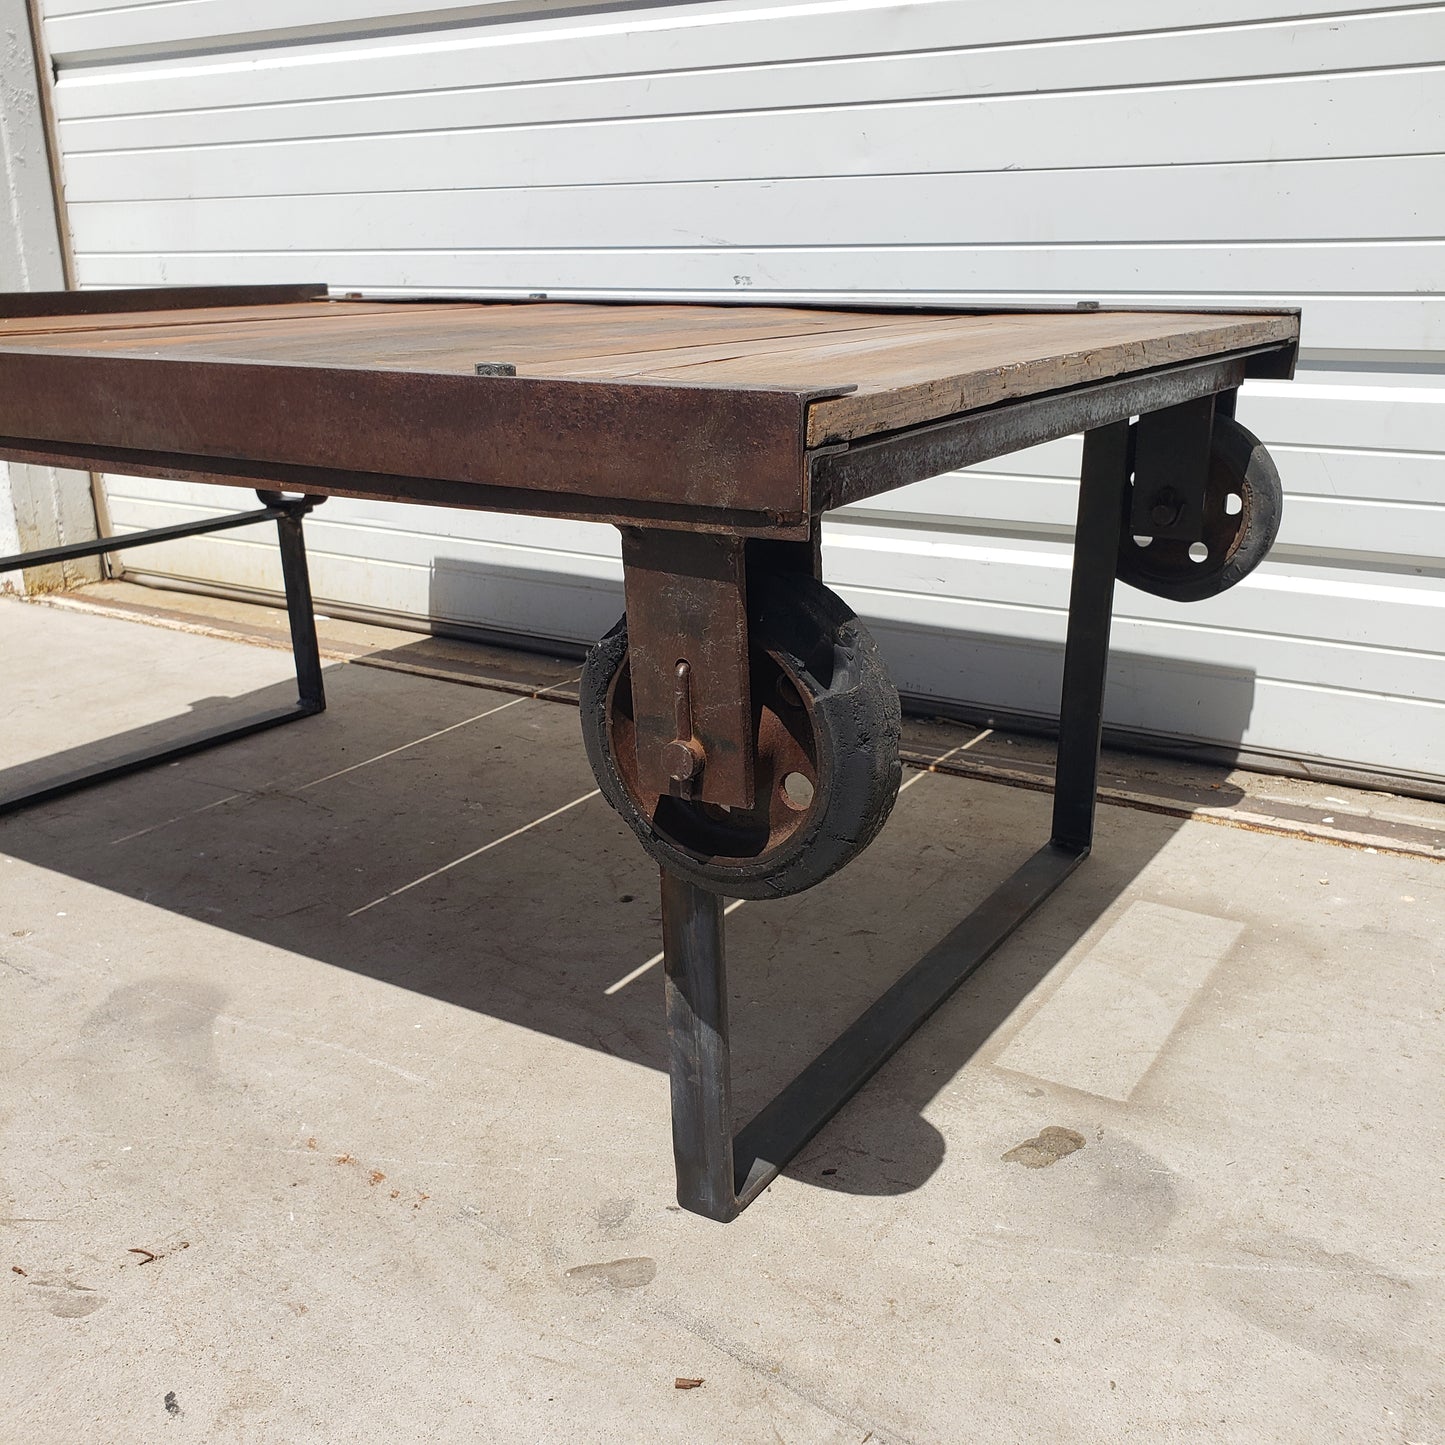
(1266, 270)
(1403, 198)
(1172, 695)
(546, 42)
(1230, 154)
(1408, 324)
(229, 114)
(1293, 601)
(1393, 113)
(137, 502)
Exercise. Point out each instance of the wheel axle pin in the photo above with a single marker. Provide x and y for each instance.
(683, 757)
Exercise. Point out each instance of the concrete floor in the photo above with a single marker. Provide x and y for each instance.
(326, 1118)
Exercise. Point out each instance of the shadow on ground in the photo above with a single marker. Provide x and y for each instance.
(434, 866)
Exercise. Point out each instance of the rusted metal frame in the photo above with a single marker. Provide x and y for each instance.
(689, 658)
(865, 469)
(687, 633)
(150, 298)
(769, 554)
(426, 491)
(287, 513)
(719, 1175)
(693, 447)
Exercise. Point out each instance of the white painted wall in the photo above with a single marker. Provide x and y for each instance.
(1250, 152)
(39, 506)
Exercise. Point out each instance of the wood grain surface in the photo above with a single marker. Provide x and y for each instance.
(898, 369)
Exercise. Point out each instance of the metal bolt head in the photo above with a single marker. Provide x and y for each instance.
(1167, 509)
(683, 758)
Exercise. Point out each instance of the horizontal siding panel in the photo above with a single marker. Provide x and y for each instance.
(1322, 414)
(404, 93)
(1024, 583)
(1335, 268)
(386, 530)
(1337, 526)
(721, 34)
(1344, 323)
(1176, 681)
(1389, 197)
(1279, 607)
(958, 654)
(1392, 113)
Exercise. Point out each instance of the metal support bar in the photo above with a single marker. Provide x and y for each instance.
(288, 513)
(300, 612)
(102, 546)
(719, 1175)
(1103, 486)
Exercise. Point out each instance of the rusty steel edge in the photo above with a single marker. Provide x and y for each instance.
(620, 446)
(14, 304)
(851, 473)
(425, 491)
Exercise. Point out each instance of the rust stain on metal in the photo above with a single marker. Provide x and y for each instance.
(687, 604)
(706, 448)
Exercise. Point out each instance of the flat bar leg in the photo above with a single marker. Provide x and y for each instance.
(1102, 484)
(301, 612)
(311, 694)
(698, 1058)
(718, 1176)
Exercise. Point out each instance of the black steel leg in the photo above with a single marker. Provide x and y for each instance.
(1086, 653)
(300, 612)
(719, 1175)
(697, 1041)
(311, 697)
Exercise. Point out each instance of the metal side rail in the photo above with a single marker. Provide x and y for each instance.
(719, 1175)
(287, 513)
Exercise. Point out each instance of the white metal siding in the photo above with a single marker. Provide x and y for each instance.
(956, 150)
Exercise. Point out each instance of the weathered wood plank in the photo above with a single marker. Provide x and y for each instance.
(899, 369)
(1014, 356)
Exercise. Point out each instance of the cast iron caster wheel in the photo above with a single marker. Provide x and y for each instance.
(1242, 507)
(827, 723)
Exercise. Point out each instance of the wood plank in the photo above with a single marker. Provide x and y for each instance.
(106, 323)
(941, 364)
(901, 369)
(454, 336)
(1016, 356)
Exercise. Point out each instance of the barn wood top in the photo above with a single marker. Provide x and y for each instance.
(878, 371)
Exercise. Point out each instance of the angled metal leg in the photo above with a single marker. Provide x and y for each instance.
(1102, 486)
(719, 1175)
(287, 513)
(300, 611)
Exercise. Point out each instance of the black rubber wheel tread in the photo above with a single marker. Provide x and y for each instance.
(1239, 463)
(857, 718)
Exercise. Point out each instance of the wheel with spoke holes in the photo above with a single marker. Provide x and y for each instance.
(1242, 506)
(826, 720)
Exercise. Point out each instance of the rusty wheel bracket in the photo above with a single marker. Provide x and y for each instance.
(688, 658)
(1171, 471)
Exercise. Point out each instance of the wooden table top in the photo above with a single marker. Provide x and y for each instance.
(879, 371)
